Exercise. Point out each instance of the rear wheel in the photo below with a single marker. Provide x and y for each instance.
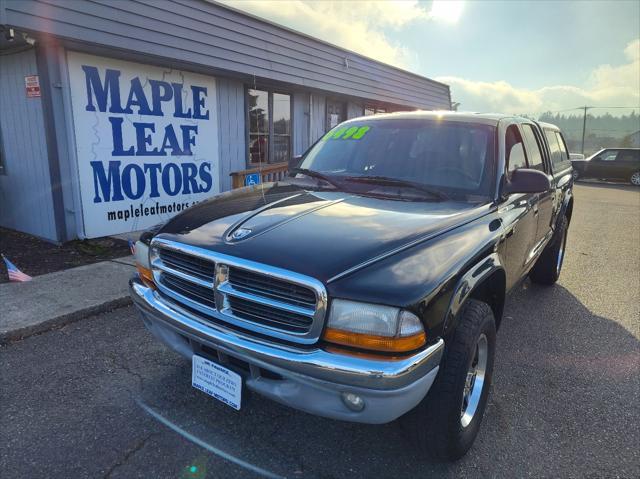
(635, 178)
(575, 175)
(447, 421)
(547, 269)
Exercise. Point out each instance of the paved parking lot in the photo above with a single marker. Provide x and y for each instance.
(564, 400)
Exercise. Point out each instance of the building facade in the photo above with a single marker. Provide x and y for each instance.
(115, 116)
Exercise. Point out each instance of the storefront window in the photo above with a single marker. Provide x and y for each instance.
(269, 126)
(258, 126)
(281, 127)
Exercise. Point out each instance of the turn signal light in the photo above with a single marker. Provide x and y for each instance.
(146, 276)
(374, 327)
(378, 343)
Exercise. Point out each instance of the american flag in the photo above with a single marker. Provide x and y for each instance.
(14, 273)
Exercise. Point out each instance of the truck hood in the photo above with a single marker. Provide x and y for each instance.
(320, 233)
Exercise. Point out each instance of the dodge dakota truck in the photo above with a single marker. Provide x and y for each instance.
(370, 284)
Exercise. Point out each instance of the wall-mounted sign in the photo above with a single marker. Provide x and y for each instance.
(146, 141)
(252, 179)
(32, 86)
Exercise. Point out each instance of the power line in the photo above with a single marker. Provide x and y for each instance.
(590, 107)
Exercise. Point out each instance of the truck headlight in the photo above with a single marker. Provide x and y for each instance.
(373, 326)
(143, 266)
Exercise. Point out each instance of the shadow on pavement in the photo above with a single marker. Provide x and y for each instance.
(564, 402)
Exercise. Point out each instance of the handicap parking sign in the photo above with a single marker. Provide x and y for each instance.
(252, 179)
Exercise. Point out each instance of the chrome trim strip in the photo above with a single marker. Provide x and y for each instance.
(538, 247)
(305, 364)
(227, 288)
(204, 309)
(158, 263)
(221, 288)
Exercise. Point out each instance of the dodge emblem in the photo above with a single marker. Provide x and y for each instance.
(241, 233)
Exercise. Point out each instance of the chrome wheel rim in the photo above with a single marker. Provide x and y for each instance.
(561, 253)
(474, 382)
(635, 178)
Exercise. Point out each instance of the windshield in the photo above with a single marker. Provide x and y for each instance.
(451, 157)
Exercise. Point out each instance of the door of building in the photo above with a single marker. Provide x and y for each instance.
(336, 113)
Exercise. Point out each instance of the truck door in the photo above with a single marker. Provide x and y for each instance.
(543, 204)
(519, 220)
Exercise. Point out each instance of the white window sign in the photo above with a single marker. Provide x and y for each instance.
(146, 142)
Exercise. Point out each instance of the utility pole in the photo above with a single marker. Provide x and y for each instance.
(584, 126)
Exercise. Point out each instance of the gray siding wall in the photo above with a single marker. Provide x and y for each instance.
(231, 129)
(212, 36)
(65, 140)
(25, 189)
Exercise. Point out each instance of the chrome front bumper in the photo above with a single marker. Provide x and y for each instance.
(313, 380)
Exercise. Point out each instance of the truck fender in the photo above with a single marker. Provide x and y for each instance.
(566, 207)
(469, 282)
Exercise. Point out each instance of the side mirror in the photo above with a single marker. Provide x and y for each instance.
(526, 180)
(294, 162)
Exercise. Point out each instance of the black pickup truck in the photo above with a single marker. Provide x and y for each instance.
(370, 285)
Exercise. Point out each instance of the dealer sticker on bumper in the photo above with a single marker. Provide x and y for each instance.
(217, 381)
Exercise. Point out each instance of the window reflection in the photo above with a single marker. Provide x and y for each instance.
(269, 126)
(281, 127)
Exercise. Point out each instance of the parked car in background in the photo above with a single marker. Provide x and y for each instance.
(576, 156)
(371, 284)
(619, 164)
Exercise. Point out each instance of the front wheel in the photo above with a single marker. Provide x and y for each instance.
(576, 175)
(445, 424)
(635, 178)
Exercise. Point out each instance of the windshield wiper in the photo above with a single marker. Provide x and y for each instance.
(385, 180)
(316, 174)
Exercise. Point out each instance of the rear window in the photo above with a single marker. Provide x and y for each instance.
(564, 151)
(558, 149)
(533, 148)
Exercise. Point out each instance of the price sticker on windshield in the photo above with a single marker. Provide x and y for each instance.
(347, 133)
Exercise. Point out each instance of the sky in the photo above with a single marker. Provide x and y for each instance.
(522, 57)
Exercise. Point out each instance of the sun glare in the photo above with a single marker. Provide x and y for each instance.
(447, 10)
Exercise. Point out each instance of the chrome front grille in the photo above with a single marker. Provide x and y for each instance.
(250, 295)
(256, 283)
(189, 290)
(188, 264)
(285, 320)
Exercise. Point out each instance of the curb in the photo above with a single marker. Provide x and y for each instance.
(62, 320)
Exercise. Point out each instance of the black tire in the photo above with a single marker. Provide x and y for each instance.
(576, 175)
(435, 425)
(547, 269)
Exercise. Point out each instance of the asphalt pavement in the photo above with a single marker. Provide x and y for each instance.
(102, 398)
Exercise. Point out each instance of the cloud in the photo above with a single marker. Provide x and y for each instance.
(608, 85)
(355, 25)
